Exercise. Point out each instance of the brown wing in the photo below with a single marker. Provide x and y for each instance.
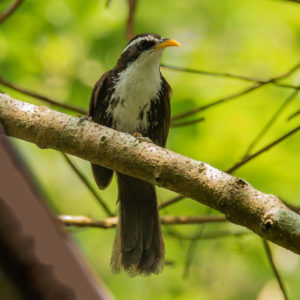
(98, 104)
(99, 100)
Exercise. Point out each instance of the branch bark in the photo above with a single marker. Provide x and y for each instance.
(83, 221)
(242, 204)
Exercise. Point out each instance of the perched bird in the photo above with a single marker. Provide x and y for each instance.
(134, 97)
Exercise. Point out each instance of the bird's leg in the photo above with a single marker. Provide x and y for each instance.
(139, 137)
(82, 119)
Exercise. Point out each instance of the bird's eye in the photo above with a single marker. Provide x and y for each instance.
(144, 45)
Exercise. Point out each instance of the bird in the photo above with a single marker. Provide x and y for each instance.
(134, 97)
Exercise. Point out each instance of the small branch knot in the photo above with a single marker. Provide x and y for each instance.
(267, 225)
(240, 182)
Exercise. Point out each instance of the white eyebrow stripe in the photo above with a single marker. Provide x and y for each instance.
(147, 38)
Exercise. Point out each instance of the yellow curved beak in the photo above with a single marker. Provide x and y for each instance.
(167, 43)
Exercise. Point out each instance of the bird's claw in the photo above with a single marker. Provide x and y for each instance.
(138, 137)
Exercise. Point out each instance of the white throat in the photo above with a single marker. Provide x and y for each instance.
(135, 88)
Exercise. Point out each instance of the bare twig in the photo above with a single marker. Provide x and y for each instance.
(222, 100)
(237, 95)
(227, 75)
(88, 185)
(191, 122)
(293, 115)
(271, 121)
(250, 157)
(181, 220)
(294, 1)
(83, 221)
(130, 21)
(207, 236)
(41, 97)
(210, 73)
(10, 10)
(107, 3)
(191, 251)
(170, 202)
(274, 269)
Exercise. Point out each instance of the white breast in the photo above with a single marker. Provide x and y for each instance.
(134, 88)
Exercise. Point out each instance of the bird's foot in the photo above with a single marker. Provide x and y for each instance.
(138, 137)
(82, 119)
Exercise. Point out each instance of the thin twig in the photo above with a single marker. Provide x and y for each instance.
(107, 3)
(219, 101)
(207, 236)
(41, 97)
(294, 1)
(274, 269)
(236, 95)
(271, 121)
(227, 75)
(293, 115)
(170, 202)
(250, 157)
(186, 123)
(191, 251)
(130, 21)
(83, 221)
(10, 10)
(185, 220)
(88, 185)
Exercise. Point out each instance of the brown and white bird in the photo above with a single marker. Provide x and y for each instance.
(134, 97)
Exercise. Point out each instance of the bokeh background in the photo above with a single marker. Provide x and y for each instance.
(61, 47)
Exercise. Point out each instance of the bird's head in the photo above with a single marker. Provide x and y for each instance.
(145, 49)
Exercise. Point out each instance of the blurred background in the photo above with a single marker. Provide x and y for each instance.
(59, 48)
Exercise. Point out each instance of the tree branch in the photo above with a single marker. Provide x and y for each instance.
(293, 115)
(250, 157)
(231, 76)
(262, 213)
(219, 101)
(190, 122)
(274, 269)
(10, 10)
(85, 181)
(294, 1)
(41, 97)
(208, 236)
(83, 221)
(170, 202)
(271, 121)
(239, 94)
(242, 162)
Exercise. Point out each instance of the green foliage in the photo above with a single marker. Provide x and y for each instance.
(61, 47)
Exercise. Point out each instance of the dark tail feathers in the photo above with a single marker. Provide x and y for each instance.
(102, 176)
(138, 247)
